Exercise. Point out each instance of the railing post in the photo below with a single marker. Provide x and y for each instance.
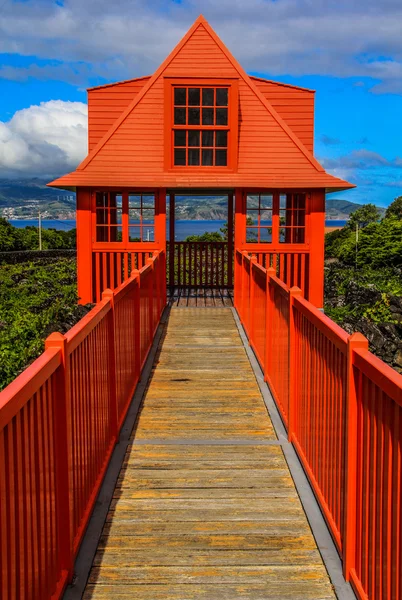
(137, 324)
(356, 341)
(294, 292)
(150, 300)
(63, 466)
(268, 323)
(241, 289)
(114, 419)
(253, 261)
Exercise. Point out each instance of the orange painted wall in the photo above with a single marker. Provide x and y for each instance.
(295, 106)
(105, 105)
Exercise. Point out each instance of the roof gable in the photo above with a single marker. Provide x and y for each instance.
(132, 150)
(225, 68)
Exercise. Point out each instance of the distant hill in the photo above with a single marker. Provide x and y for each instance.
(342, 209)
(25, 197)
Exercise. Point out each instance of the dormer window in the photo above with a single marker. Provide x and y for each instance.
(203, 125)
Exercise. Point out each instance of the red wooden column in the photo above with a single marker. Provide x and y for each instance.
(240, 220)
(160, 234)
(230, 241)
(84, 245)
(160, 219)
(316, 236)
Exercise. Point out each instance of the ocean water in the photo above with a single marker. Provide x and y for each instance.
(183, 228)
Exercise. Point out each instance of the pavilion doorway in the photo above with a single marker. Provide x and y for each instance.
(199, 263)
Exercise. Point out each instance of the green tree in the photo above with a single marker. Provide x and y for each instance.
(363, 216)
(394, 210)
(213, 236)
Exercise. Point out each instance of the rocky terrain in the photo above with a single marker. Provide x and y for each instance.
(370, 308)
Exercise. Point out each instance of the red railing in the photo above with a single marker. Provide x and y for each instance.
(200, 264)
(291, 267)
(111, 268)
(342, 408)
(59, 422)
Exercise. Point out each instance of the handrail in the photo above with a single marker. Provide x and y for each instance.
(381, 374)
(342, 409)
(19, 391)
(59, 423)
(336, 334)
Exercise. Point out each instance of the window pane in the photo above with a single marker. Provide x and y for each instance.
(147, 234)
(194, 116)
(208, 97)
(148, 201)
(179, 138)
(282, 201)
(252, 217)
(207, 158)
(134, 200)
(194, 157)
(207, 116)
(299, 217)
(266, 235)
(179, 116)
(221, 116)
(221, 158)
(180, 96)
(298, 235)
(222, 97)
(101, 199)
(134, 215)
(101, 216)
(251, 235)
(284, 235)
(207, 138)
(194, 96)
(134, 234)
(222, 138)
(252, 202)
(179, 157)
(266, 201)
(116, 234)
(115, 216)
(193, 138)
(102, 234)
(115, 200)
(266, 217)
(148, 215)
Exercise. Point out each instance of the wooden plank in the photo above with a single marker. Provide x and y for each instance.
(201, 520)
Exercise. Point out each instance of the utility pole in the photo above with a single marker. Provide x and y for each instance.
(357, 241)
(40, 231)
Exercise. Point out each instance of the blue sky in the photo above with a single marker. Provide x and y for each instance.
(349, 52)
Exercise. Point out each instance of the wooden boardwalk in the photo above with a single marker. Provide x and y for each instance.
(205, 506)
(181, 297)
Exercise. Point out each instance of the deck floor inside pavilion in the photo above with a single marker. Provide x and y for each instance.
(205, 505)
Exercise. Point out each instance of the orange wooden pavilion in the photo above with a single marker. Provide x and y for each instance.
(200, 125)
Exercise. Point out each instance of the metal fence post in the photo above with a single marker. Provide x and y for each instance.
(356, 341)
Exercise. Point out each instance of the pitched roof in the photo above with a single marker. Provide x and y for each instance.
(131, 152)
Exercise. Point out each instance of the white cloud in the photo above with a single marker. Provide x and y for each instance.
(127, 38)
(44, 140)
